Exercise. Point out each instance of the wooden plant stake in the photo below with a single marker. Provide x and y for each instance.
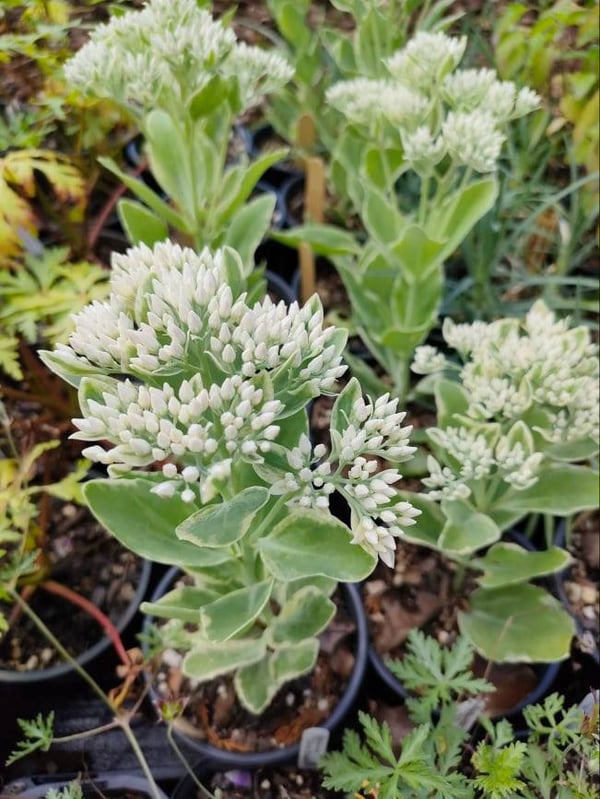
(314, 201)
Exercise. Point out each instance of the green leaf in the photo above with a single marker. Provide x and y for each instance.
(169, 159)
(380, 217)
(145, 193)
(223, 524)
(254, 685)
(561, 490)
(322, 239)
(209, 97)
(341, 412)
(209, 659)
(141, 225)
(429, 524)
(466, 530)
(507, 563)
(229, 615)
(460, 213)
(248, 227)
(517, 623)
(418, 254)
(181, 603)
(145, 523)
(289, 662)
(248, 178)
(303, 616)
(309, 542)
(450, 399)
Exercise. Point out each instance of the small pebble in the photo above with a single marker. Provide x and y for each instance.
(443, 636)
(32, 663)
(323, 705)
(573, 591)
(265, 785)
(589, 594)
(290, 699)
(172, 658)
(46, 655)
(589, 612)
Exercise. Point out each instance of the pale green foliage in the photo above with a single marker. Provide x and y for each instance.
(37, 735)
(195, 375)
(516, 422)
(428, 125)
(185, 79)
(498, 770)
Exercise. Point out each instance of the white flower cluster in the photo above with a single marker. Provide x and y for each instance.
(513, 366)
(206, 367)
(161, 56)
(478, 456)
(372, 430)
(439, 111)
(369, 101)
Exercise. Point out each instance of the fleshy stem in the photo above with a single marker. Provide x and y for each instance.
(185, 764)
(109, 628)
(121, 720)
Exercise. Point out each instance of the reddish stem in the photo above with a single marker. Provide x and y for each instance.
(109, 628)
(112, 200)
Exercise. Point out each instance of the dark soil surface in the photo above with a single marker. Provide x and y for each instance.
(579, 583)
(87, 559)
(419, 593)
(213, 713)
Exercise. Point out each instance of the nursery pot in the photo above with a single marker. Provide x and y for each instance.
(109, 786)
(314, 741)
(546, 673)
(264, 138)
(29, 679)
(587, 637)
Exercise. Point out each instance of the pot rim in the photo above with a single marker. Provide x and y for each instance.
(8, 676)
(285, 754)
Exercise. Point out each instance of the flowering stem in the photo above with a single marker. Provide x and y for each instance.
(16, 597)
(186, 765)
(121, 721)
(109, 628)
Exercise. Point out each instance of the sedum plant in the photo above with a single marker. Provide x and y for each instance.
(515, 420)
(177, 369)
(417, 155)
(185, 79)
(558, 760)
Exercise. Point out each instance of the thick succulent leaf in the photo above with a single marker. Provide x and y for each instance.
(223, 524)
(254, 685)
(230, 614)
(561, 490)
(466, 530)
(507, 563)
(517, 623)
(181, 603)
(308, 542)
(210, 659)
(303, 616)
(145, 523)
(290, 662)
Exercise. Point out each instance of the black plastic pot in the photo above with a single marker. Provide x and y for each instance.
(258, 144)
(64, 671)
(587, 640)
(546, 672)
(219, 759)
(108, 786)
